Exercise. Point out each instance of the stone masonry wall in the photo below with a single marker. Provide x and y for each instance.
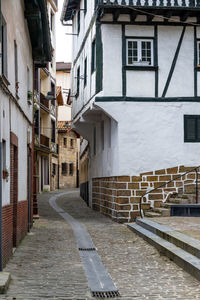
(119, 196)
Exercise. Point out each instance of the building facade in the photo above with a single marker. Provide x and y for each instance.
(135, 87)
(19, 48)
(68, 156)
(45, 116)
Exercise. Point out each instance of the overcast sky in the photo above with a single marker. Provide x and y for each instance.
(63, 41)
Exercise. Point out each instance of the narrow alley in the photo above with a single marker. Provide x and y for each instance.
(47, 264)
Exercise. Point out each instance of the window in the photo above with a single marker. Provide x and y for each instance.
(85, 7)
(4, 47)
(64, 168)
(53, 91)
(78, 82)
(93, 63)
(16, 67)
(191, 128)
(139, 52)
(72, 143)
(78, 21)
(3, 154)
(85, 72)
(65, 142)
(54, 169)
(53, 131)
(71, 169)
(36, 79)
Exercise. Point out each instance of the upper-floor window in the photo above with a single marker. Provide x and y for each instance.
(53, 131)
(192, 128)
(139, 52)
(78, 21)
(85, 71)
(85, 7)
(16, 67)
(71, 169)
(78, 82)
(93, 62)
(64, 142)
(4, 47)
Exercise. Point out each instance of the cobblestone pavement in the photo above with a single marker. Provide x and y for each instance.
(47, 264)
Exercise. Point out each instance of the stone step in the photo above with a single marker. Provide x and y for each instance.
(178, 201)
(165, 212)
(151, 214)
(167, 205)
(185, 260)
(179, 239)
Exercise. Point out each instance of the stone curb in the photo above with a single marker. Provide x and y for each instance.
(179, 239)
(5, 278)
(183, 259)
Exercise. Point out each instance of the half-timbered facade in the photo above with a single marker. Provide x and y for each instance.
(136, 93)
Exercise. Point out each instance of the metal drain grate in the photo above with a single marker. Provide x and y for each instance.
(87, 249)
(106, 294)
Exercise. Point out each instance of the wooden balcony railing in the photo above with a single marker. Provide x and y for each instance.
(153, 3)
(44, 141)
(44, 101)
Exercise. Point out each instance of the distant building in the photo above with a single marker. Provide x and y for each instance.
(69, 151)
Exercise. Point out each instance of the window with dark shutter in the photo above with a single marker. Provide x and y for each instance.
(64, 168)
(191, 128)
(71, 169)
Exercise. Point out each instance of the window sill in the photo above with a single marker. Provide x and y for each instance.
(141, 68)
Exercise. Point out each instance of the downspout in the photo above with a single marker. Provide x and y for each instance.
(1, 262)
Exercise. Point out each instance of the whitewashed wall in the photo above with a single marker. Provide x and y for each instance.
(14, 120)
(142, 83)
(151, 135)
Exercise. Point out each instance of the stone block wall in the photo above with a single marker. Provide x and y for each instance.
(119, 196)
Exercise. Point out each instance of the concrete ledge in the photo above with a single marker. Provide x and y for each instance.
(179, 239)
(4, 282)
(183, 259)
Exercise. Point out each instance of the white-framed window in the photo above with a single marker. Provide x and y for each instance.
(139, 52)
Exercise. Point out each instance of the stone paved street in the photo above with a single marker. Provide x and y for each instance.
(47, 263)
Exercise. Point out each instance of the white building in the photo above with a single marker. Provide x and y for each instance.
(24, 39)
(136, 94)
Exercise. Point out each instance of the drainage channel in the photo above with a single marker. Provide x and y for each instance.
(99, 280)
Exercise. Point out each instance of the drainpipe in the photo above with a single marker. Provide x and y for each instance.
(1, 262)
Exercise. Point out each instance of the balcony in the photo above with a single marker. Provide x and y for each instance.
(44, 103)
(162, 9)
(178, 4)
(44, 141)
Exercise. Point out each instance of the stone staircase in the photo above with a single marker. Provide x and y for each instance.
(182, 249)
(180, 198)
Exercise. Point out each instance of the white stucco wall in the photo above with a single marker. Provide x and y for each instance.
(12, 118)
(151, 136)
